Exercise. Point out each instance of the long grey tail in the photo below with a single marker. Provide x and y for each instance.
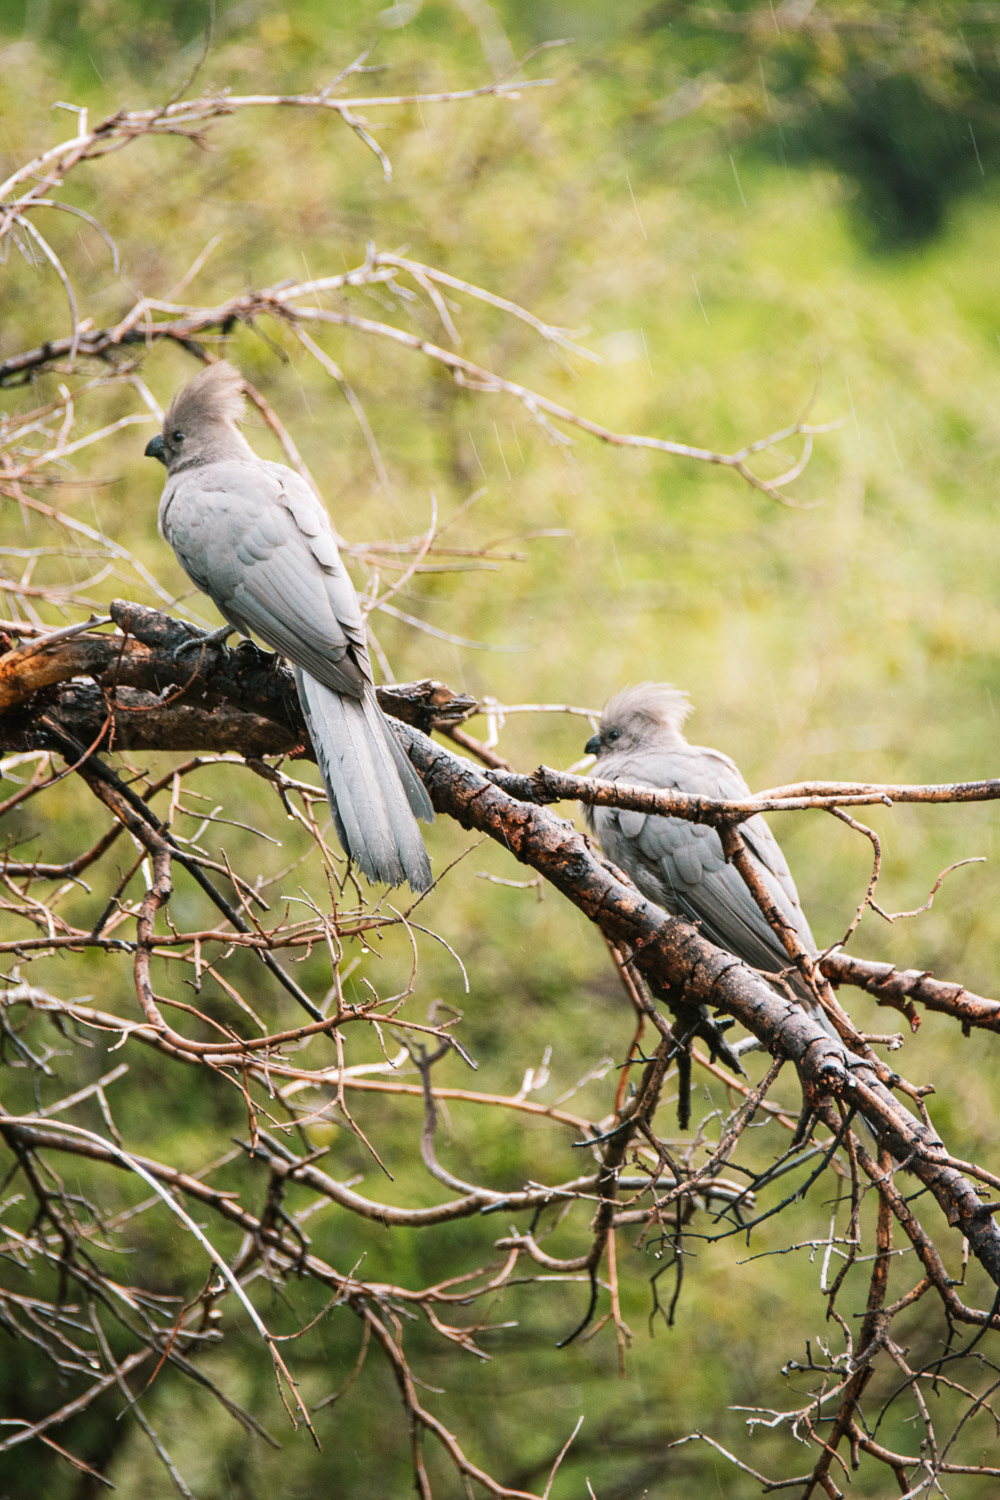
(375, 795)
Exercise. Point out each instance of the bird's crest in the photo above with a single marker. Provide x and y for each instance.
(214, 395)
(660, 704)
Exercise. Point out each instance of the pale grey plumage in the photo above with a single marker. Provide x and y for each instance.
(678, 864)
(252, 535)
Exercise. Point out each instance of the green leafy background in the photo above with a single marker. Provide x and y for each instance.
(739, 222)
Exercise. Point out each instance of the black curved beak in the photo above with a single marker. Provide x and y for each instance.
(154, 448)
(593, 745)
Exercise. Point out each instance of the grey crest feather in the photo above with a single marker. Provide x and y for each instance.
(647, 707)
(214, 395)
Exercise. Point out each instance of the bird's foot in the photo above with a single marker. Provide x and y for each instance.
(202, 639)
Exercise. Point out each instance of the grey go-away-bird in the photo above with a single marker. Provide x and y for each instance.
(681, 865)
(252, 535)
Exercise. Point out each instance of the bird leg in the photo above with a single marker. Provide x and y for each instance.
(204, 638)
(708, 1029)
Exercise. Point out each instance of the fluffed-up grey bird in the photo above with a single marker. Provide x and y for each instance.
(252, 535)
(681, 865)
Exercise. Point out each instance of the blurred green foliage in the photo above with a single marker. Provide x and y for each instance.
(689, 195)
(901, 99)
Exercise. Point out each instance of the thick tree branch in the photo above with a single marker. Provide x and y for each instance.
(144, 697)
(668, 952)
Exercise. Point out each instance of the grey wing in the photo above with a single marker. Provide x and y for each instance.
(766, 851)
(682, 866)
(260, 544)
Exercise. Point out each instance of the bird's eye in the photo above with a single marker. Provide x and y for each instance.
(612, 735)
(177, 436)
